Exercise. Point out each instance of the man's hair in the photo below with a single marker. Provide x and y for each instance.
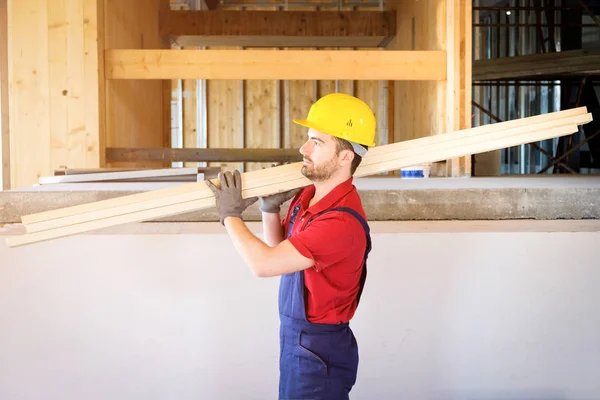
(342, 144)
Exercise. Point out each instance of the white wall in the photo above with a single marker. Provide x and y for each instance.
(447, 315)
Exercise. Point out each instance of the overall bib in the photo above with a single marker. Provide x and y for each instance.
(317, 361)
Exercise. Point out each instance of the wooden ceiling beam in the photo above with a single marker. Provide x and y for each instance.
(260, 28)
(275, 64)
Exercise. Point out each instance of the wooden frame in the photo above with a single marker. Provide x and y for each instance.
(115, 77)
(273, 64)
(165, 202)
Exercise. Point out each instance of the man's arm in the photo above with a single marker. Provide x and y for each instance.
(263, 260)
(271, 207)
(272, 230)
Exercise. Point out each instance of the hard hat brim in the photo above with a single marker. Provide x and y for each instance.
(312, 125)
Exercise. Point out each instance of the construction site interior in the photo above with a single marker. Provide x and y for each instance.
(484, 274)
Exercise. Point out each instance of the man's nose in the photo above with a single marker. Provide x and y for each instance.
(304, 149)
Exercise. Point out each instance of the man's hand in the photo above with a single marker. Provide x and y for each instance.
(272, 204)
(229, 197)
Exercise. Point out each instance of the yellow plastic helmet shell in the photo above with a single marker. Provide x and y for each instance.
(343, 116)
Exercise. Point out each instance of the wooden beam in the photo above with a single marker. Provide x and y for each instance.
(274, 64)
(201, 197)
(506, 127)
(202, 155)
(260, 28)
(186, 198)
(458, 87)
(538, 66)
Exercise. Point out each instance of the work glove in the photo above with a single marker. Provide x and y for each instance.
(272, 204)
(229, 197)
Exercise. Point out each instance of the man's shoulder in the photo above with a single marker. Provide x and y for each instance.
(353, 201)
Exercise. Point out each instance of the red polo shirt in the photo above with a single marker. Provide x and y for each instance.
(336, 242)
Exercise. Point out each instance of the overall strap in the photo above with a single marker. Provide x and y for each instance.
(356, 215)
(367, 230)
(292, 220)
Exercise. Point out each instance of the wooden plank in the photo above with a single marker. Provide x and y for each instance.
(273, 64)
(481, 130)
(184, 198)
(539, 66)
(202, 197)
(215, 155)
(255, 176)
(261, 28)
(4, 99)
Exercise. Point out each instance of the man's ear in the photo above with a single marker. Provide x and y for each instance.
(346, 157)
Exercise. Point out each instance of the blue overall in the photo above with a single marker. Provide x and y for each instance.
(317, 361)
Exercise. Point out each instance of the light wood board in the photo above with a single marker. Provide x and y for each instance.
(275, 64)
(166, 202)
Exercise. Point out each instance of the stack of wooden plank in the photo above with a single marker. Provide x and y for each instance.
(156, 204)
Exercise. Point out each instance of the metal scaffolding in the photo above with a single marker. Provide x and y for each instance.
(526, 27)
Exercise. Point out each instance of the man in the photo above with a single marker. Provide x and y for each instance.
(319, 249)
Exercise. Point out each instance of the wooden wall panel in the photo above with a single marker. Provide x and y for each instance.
(300, 96)
(261, 117)
(262, 112)
(135, 109)
(28, 75)
(424, 108)
(54, 80)
(4, 99)
(224, 117)
(190, 116)
(420, 106)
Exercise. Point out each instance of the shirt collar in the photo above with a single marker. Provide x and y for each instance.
(329, 200)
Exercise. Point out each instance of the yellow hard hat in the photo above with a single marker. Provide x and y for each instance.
(342, 116)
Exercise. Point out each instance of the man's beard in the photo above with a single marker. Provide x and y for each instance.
(320, 173)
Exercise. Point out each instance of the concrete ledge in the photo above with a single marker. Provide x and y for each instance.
(377, 227)
(384, 199)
